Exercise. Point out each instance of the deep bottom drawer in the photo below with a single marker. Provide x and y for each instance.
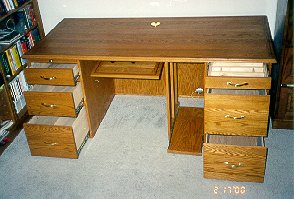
(234, 158)
(57, 136)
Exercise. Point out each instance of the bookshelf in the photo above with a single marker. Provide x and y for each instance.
(21, 29)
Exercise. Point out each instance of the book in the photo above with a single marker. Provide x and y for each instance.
(7, 5)
(24, 45)
(5, 65)
(10, 61)
(36, 36)
(15, 57)
(20, 52)
(30, 40)
(15, 3)
(10, 2)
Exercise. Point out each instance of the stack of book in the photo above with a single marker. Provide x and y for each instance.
(17, 86)
(7, 5)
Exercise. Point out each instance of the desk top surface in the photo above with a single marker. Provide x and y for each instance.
(179, 39)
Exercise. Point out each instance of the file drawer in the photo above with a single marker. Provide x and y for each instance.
(236, 112)
(52, 74)
(229, 75)
(57, 136)
(234, 158)
(54, 100)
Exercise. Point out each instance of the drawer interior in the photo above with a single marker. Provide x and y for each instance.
(125, 69)
(237, 91)
(74, 67)
(235, 140)
(237, 69)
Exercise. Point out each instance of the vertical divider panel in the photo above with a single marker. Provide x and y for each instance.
(168, 97)
(177, 104)
(98, 94)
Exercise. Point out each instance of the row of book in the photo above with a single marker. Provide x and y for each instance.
(11, 59)
(17, 86)
(7, 5)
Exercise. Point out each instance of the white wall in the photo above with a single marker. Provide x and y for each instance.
(53, 11)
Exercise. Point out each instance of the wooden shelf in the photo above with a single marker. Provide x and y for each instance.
(130, 70)
(188, 131)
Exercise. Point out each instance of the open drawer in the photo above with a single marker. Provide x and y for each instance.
(52, 74)
(54, 100)
(57, 136)
(234, 75)
(234, 158)
(236, 112)
(124, 69)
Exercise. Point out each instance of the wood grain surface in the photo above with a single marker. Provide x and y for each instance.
(254, 110)
(54, 141)
(50, 76)
(188, 132)
(38, 103)
(176, 39)
(98, 94)
(129, 70)
(249, 162)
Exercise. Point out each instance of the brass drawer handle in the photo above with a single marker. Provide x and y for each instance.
(237, 85)
(233, 166)
(48, 105)
(51, 144)
(287, 85)
(235, 118)
(48, 78)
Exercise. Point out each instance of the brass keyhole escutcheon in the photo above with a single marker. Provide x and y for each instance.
(155, 24)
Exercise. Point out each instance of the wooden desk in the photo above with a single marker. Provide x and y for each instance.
(176, 40)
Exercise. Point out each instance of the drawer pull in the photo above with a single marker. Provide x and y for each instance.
(51, 144)
(237, 85)
(233, 166)
(48, 78)
(235, 118)
(48, 105)
(287, 85)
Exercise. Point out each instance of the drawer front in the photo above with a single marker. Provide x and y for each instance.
(237, 163)
(238, 82)
(55, 104)
(50, 76)
(64, 137)
(248, 115)
(46, 140)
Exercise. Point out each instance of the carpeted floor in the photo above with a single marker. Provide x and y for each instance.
(128, 159)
